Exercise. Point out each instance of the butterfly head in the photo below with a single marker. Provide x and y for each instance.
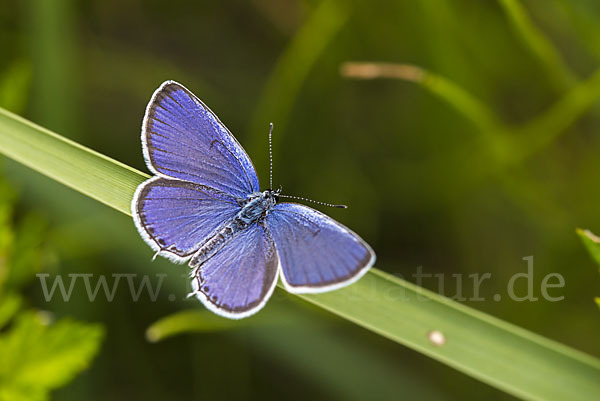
(272, 195)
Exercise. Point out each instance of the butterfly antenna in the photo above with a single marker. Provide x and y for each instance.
(290, 196)
(313, 201)
(270, 156)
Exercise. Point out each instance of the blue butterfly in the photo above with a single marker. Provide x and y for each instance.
(204, 206)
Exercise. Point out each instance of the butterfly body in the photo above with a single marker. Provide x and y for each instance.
(254, 210)
(257, 206)
(204, 207)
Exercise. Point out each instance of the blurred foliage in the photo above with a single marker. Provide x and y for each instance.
(189, 321)
(421, 178)
(14, 86)
(592, 243)
(38, 355)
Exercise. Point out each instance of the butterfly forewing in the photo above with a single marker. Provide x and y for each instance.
(177, 216)
(317, 253)
(183, 139)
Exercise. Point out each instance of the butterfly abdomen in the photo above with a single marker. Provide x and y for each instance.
(216, 242)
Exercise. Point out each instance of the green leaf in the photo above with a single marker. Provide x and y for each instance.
(21, 250)
(38, 357)
(591, 242)
(27, 256)
(9, 305)
(495, 352)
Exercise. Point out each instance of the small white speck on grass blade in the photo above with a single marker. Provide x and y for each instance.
(436, 338)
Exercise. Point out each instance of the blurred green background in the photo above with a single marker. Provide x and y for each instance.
(428, 184)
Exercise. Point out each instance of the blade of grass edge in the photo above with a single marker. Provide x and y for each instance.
(503, 355)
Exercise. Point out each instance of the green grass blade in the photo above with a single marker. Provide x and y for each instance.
(283, 332)
(540, 46)
(456, 96)
(188, 321)
(495, 352)
(503, 355)
(591, 242)
(545, 128)
(67, 162)
(293, 66)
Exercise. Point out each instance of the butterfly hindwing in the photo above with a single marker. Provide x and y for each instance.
(316, 253)
(175, 217)
(183, 139)
(239, 279)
